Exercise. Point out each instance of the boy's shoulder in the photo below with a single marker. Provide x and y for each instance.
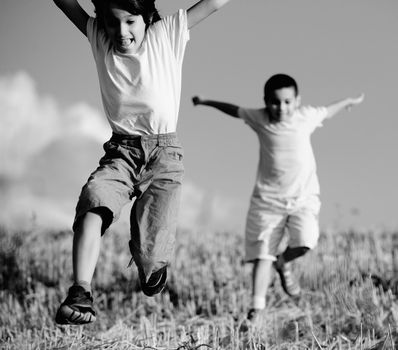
(309, 110)
(96, 34)
(254, 117)
(177, 18)
(253, 112)
(305, 109)
(312, 116)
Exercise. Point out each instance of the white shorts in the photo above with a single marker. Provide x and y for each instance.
(268, 222)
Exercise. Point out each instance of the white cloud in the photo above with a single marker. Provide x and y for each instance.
(86, 120)
(27, 122)
(21, 209)
(201, 209)
(30, 122)
(192, 198)
(228, 213)
(41, 168)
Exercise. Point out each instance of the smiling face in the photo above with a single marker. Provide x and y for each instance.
(125, 30)
(282, 103)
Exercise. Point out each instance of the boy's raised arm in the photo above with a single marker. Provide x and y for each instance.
(203, 9)
(227, 108)
(75, 13)
(346, 103)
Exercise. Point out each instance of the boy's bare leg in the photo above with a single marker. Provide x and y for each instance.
(261, 276)
(86, 247)
(78, 307)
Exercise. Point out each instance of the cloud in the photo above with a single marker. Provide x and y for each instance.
(202, 209)
(229, 213)
(24, 117)
(30, 122)
(192, 198)
(47, 155)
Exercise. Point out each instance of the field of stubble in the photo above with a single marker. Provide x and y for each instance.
(350, 299)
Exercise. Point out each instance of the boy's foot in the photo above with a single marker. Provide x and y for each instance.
(155, 283)
(77, 308)
(253, 318)
(253, 314)
(288, 282)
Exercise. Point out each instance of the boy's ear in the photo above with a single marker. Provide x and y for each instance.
(150, 19)
(298, 100)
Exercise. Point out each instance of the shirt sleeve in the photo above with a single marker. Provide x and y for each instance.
(176, 28)
(96, 36)
(315, 116)
(249, 116)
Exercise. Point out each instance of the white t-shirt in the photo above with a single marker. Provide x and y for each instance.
(141, 91)
(287, 167)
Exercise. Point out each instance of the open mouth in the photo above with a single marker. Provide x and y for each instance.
(125, 42)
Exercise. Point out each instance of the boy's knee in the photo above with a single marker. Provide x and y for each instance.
(294, 253)
(302, 250)
(106, 216)
(101, 217)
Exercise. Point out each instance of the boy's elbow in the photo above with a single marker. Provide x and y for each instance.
(59, 3)
(221, 3)
(217, 4)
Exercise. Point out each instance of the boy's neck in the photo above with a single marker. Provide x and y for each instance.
(271, 118)
(275, 119)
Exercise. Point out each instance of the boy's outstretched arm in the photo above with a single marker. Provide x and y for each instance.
(346, 103)
(227, 108)
(203, 9)
(73, 10)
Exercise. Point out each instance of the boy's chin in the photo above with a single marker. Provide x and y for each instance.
(280, 118)
(274, 119)
(126, 49)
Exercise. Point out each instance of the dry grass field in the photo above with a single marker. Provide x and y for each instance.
(350, 299)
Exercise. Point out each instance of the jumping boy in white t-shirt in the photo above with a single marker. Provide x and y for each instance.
(286, 192)
(139, 58)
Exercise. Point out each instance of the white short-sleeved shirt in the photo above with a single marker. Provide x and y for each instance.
(287, 167)
(141, 91)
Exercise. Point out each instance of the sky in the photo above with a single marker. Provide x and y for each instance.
(52, 125)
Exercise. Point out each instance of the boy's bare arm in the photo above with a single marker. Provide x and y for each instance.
(346, 103)
(227, 108)
(203, 9)
(73, 10)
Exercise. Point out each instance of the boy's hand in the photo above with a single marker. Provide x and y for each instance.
(344, 104)
(203, 9)
(355, 101)
(196, 100)
(227, 108)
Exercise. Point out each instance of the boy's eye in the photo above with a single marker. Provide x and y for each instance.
(130, 22)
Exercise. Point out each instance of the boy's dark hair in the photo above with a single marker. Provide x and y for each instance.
(279, 81)
(145, 8)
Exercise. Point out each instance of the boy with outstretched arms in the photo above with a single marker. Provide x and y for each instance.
(286, 192)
